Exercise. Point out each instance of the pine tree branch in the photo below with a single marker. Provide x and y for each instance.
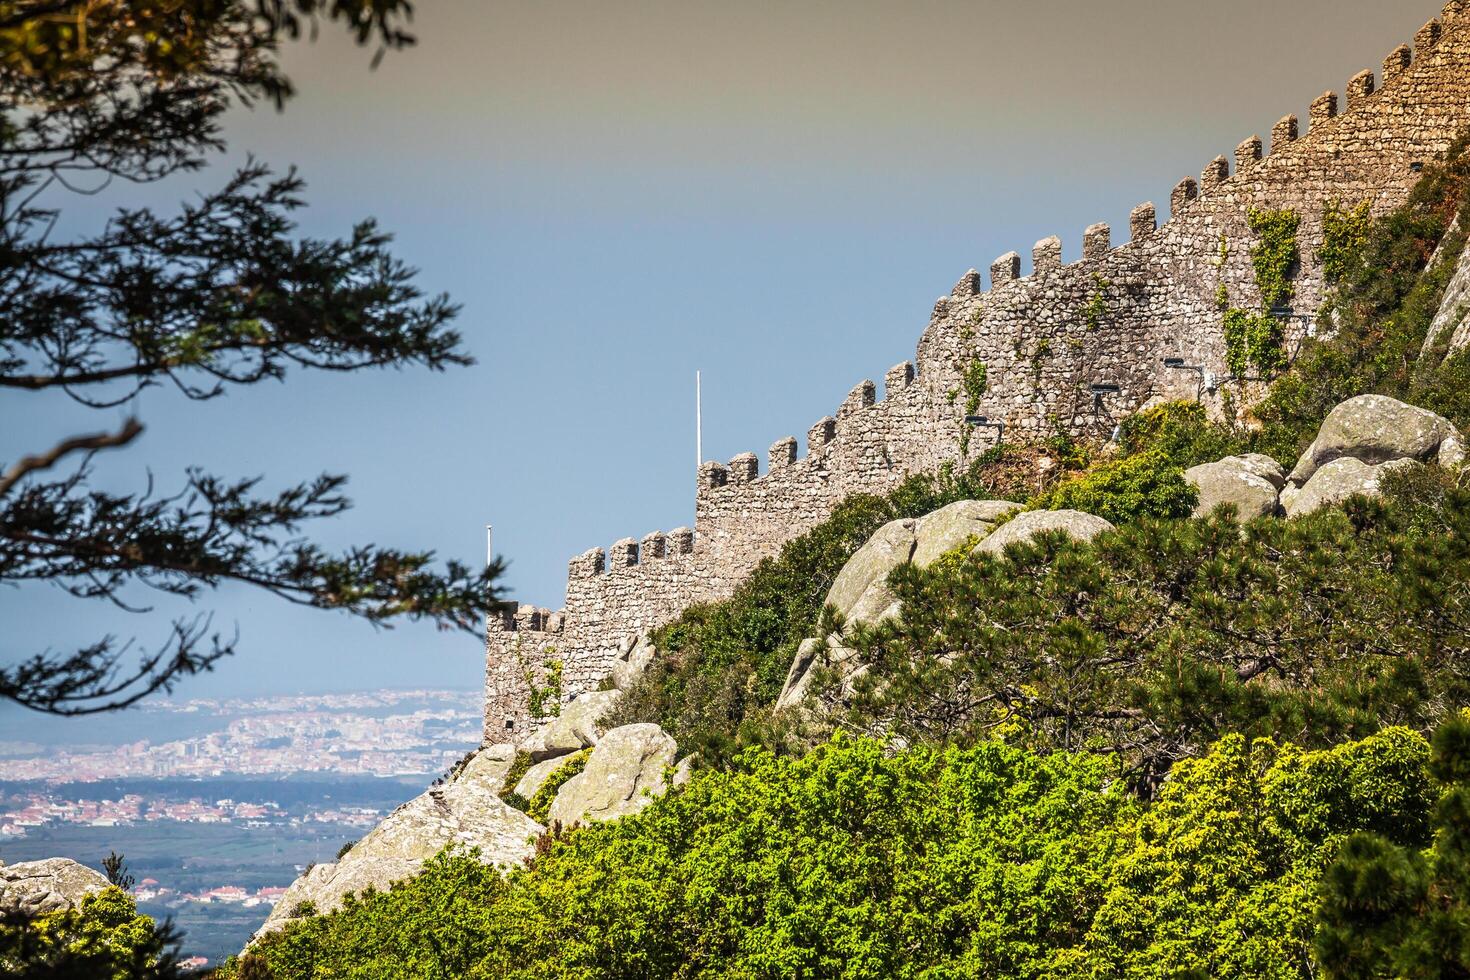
(92, 443)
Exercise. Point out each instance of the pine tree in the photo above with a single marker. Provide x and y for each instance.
(220, 294)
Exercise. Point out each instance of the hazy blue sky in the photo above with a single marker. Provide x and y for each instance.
(620, 193)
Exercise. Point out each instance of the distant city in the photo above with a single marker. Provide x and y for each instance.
(222, 803)
(356, 734)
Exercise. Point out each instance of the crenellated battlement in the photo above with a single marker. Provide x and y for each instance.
(1043, 339)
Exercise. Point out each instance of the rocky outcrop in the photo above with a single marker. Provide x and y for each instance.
(624, 773)
(1251, 484)
(467, 811)
(1340, 479)
(1451, 325)
(630, 666)
(1075, 524)
(950, 527)
(1374, 429)
(33, 888)
(861, 592)
(864, 578)
(574, 729)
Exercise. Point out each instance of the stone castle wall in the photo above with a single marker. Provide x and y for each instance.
(1153, 297)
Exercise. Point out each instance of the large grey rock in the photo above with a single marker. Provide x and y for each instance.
(1240, 481)
(1451, 325)
(576, 728)
(1074, 523)
(630, 666)
(1264, 467)
(467, 812)
(799, 675)
(949, 527)
(1373, 429)
(33, 888)
(623, 774)
(1340, 479)
(892, 545)
(537, 775)
(490, 765)
(1452, 451)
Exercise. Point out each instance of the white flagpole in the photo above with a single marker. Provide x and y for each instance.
(698, 423)
(489, 545)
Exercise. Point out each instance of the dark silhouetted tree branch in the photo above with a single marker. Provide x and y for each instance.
(218, 294)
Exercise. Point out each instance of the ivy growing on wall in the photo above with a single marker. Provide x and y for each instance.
(1097, 303)
(1222, 294)
(1253, 338)
(545, 699)
(974, 381)
(1274, 253)
(1344, 238)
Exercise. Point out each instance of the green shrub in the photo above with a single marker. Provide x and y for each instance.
(1125, 490)
(862, 863)
(1159, 637)
(104, 938)
(1389, 908)
(539, 807)
(519, 766)
(1179, 431)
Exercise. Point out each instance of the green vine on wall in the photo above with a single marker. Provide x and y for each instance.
(1254, 338)
(1344, 238)
(974, 381)
(544, 700)
(1222, 293)
(1097, 303)
(1274, 253)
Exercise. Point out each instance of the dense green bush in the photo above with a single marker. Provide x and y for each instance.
(1146, 485)
(1181, 432)
(1394, 910)
(856, 862)
(104, 938)
(1164, 635)
(721, 666)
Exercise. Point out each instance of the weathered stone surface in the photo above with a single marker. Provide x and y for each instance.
(576, 728)
(1263, 466)
(627, 669)
(1340, 479)
(49, 885)
(1235, 481)
(627, 762)
(949, 527)
(490, 765)
(1452, 451)
(1373, 429)
(892, 545)
(1451, 325)
(1074, 523)
(538, 774)
(466, 811)
(799, 676)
